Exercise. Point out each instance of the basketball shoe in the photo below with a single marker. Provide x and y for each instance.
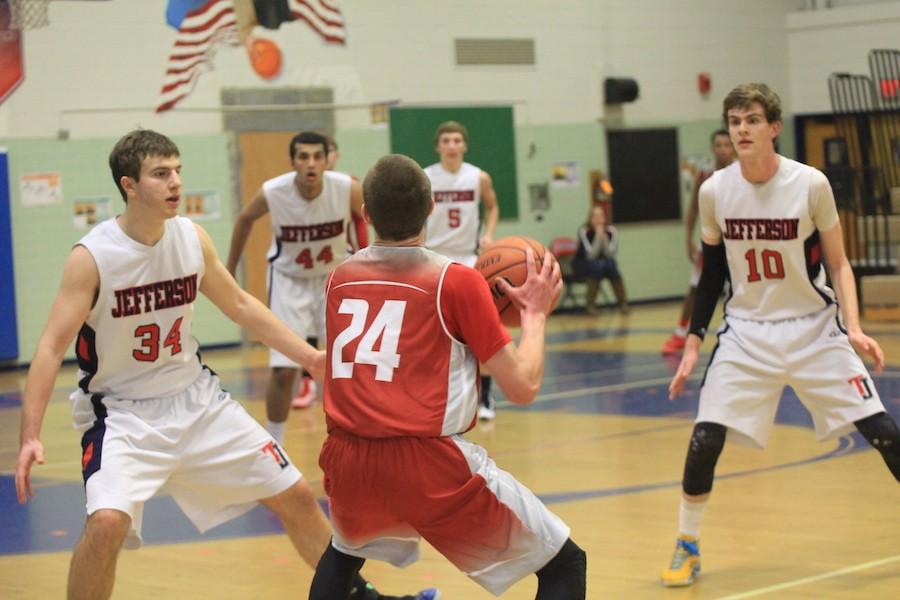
(674, 344)
(306, 393)
(487, 412)
(685, 563)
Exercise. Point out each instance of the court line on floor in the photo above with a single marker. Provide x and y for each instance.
(812, 579)
(631, 385)
(845, 445)
(613, 387)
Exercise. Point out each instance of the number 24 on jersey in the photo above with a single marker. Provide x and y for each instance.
(386, 325)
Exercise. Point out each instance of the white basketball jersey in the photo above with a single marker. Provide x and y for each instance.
(452, 227)
(771, 236)
(136, 342)
(309, 237)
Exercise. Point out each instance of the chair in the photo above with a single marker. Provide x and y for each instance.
(564, 249)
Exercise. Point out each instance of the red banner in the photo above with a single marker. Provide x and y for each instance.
(11, 71)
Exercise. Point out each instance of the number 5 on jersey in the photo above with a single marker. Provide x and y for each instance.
(453, 217)
(386, 326)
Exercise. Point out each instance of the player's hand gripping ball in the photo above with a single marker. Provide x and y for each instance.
(506, 259)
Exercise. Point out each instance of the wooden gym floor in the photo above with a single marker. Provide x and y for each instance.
(602, 446)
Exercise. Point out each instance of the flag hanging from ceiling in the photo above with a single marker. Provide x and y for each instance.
(322, 15)
(204, 25)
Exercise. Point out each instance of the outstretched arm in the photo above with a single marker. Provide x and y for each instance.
(219, 286)
(80, 280)
(254, 209)
(712, 278)
(845, 286)
(491, 209)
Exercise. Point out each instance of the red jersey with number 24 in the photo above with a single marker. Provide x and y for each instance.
(406, 329)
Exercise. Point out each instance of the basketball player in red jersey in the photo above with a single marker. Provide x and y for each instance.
(723, 154)
(407, 328)
(156, 416)
(311, 210)
(770, 225)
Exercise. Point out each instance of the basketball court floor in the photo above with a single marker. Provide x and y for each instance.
(602, 446)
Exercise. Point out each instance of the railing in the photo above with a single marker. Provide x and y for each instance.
(863, 162)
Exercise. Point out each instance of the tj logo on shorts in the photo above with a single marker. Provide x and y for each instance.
(275, 451)
(862, 386)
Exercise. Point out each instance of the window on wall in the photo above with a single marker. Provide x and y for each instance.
(643, 170)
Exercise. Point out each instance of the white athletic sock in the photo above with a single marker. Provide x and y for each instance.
(689, 517)
(276, 430)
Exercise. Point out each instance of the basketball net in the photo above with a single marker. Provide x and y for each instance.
(28, 14)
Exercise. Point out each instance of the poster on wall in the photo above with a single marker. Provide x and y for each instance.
(564, 173)
(202, 205)
(539, 194)
(87, 211)
(40, 189)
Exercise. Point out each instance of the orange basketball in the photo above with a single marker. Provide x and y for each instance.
(265, 57)
(506, 259)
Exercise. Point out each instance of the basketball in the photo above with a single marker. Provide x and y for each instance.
(265, 57)
(506, 259)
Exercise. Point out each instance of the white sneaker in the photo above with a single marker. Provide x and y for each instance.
(306, 393)
(487, 413)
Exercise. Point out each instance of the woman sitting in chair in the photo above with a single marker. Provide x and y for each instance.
(595, 259)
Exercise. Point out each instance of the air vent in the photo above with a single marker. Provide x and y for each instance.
(492, 51)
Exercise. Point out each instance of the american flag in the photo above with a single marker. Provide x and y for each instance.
(322, 15)
(212, 22)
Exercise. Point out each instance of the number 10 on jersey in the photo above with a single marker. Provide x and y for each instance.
(386, 325)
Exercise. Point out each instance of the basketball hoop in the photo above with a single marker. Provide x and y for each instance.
(28, 14)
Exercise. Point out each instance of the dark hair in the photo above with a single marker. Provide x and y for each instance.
(130, 151)
(397, 194)
(746, 94)
(451, 127)
(717, 133)
(308, 137)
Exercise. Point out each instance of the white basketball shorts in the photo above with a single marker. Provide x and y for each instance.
(199, 445)
(299, 304)
(754, 360)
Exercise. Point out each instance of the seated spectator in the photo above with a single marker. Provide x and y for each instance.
(595, 259)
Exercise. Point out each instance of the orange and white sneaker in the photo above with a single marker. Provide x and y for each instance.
(685, 563)
(306, 393)
(674, 344)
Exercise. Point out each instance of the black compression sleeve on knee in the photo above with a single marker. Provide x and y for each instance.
(335, 576)
(882, 432)
(712, 279)
(563, 578)
(706, 445)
